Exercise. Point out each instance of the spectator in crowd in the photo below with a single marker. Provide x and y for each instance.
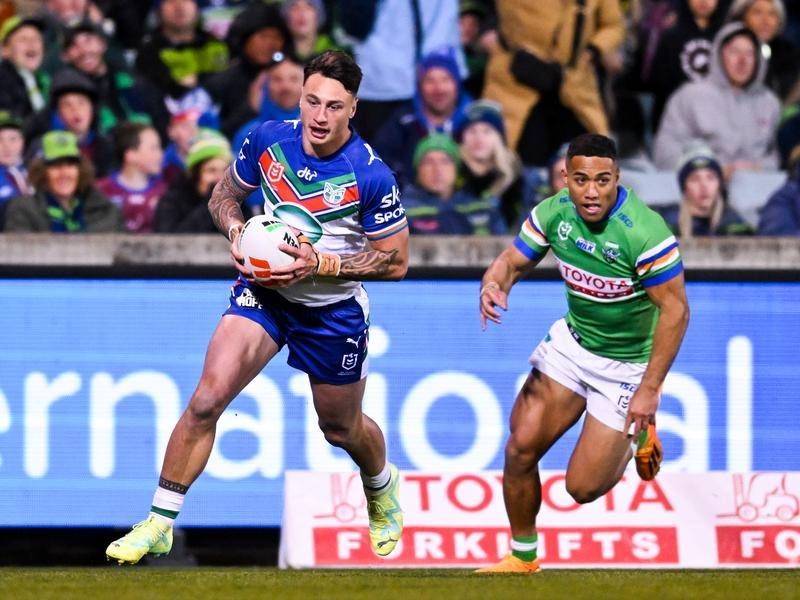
(767, 19)
(65, 199)
(489, 169)
(478, 39)
(279, 97)
(547, 84)
(438, 107)
(388, 39)
(73, 104)
(434, 205)
(731, 110)
(118, 96)
(684, 50)
(183, 129)
(702, 209)
(138, 185)
(24, 89)
(57, 16)
(13, 175)
(184, 208)
(305, 18)
(781, 214)
(178, 56)
(257, 35)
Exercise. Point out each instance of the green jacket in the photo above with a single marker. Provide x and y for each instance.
(29, 214)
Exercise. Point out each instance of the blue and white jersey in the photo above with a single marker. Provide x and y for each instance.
(339, 201)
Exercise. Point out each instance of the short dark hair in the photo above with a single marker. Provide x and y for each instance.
(592, 144)
(128, 136)
(337, 65)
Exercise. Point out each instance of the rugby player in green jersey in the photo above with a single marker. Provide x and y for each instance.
(608, 356)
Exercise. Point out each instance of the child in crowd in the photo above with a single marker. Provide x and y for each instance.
(137, 186)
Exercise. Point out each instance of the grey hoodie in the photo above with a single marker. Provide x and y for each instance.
(738, 124)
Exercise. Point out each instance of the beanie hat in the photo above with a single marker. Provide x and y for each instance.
(9, 120)
(436, 141)
(253, 19)
(697, 156)
(317, 4)
(11, 24)
(69, 80)
(60, 145)
(443, 59)
(209, 144)
(85, 26)
(482, 111)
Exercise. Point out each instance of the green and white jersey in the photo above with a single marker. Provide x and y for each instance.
(606, 267)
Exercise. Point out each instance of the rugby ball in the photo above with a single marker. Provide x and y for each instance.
(259, 242)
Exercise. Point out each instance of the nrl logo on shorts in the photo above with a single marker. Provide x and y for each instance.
(610, 251)
(349, 361)
(333, 194)
(563, 230)
(275, 172)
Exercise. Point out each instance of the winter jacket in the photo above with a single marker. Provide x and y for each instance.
(30, 214)
(462, 214)
(731, 223)
(13, 93)
(165, 63)
(547, 29)
(781, 214)
(738, 124)
(183, 210)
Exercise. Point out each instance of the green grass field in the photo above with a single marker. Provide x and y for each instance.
(202, 583)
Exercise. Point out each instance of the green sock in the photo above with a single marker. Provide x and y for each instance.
(524, 547)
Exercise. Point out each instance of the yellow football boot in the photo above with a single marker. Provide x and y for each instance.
(151, 536)
(386, 516)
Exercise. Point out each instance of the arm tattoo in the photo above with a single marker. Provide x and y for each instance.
(374, 264)
(225, 203)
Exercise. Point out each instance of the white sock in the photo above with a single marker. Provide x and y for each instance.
(376, 484)
(166, 505)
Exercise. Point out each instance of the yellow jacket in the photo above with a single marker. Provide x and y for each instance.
(546, 28)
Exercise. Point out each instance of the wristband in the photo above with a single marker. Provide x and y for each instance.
(231, 228)
(490, 285)
(302, 239)
(328, 265)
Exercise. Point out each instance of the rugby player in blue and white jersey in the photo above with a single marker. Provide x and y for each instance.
(320, 177)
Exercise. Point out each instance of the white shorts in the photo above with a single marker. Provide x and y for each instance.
(607, 384)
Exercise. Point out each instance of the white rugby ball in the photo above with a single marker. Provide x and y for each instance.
(259, 242)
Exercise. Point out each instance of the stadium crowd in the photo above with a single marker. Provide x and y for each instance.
(122, 116)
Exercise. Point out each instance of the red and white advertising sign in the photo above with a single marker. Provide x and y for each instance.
(458, 520)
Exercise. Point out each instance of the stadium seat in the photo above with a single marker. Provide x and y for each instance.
(656, 188)
(748, 191)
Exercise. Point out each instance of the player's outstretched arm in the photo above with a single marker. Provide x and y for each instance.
(673, 319)
(225, 207)
(503, 273)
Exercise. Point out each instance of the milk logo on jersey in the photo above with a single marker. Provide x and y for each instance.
(333, 194)
(596, 287)
(585, 245)
(564, 230)
(349, 361)
(307, 174)
(610, 251)
(275, 172)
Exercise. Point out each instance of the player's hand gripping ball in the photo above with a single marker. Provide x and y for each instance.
(258, 243)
